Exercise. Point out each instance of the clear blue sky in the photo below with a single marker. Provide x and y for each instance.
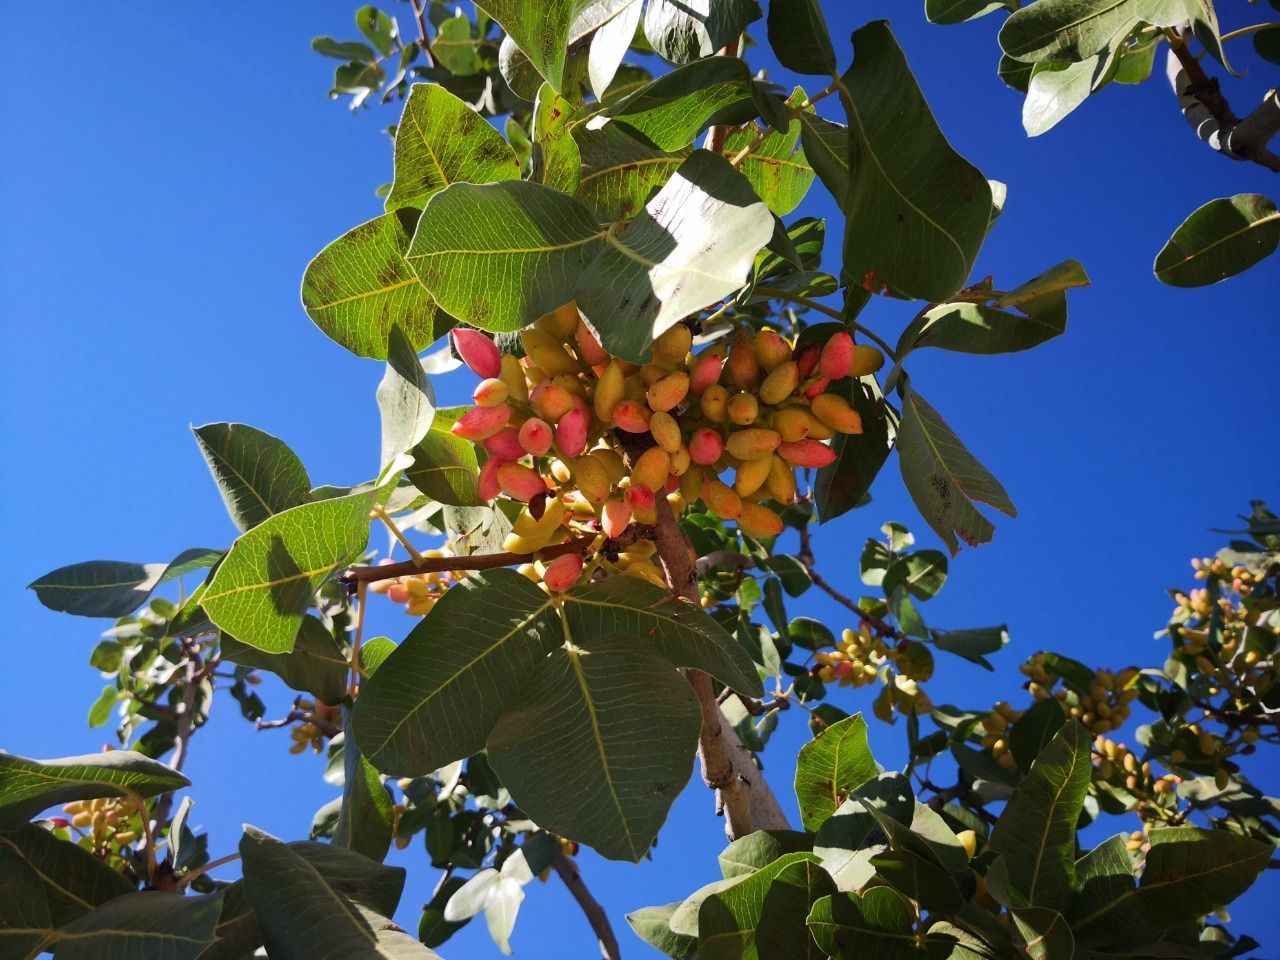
(170, 171)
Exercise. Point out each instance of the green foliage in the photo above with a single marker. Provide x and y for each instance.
(1224, 237)
(29, 786)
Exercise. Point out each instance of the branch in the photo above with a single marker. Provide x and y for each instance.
(1212, 118)
(806, 557)
(595, 914)
(728, 767)
(354, 576)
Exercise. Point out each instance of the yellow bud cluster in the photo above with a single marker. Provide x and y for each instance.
(106, 820)
(855, 661)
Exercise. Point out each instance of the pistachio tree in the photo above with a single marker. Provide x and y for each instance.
(596, 211)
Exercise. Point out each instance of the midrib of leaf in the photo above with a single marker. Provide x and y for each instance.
(776, 161)
(267, 584)
(368, 293)
(1048, 821)
(955, 478)
(44, 876)
(549, 248)
(817, 135)
(54, 935)
(1040, 939)
(1075, 23)
(869, 930)
(573, 653)
(239, 476)
(1140, 890)
(1221, 240)
(629, 165)
(857, 116)
(459, 672)
(647, 611)
(434, 159)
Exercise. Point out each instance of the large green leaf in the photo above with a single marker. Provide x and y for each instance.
(557, 161)
(142, 926)
(944, 478)
(614, 24)
(763, 917)
(917, 211)
(447, 684)
(748, 854)
(1073, 30)
(365, 820)
(830, 767)
(114, 588)
(1056, 89)
(958, 11)
(845, 482)
(359, 287)
(316, 663)
(598, 744)
(619, 172)
(670, 111)
(1045, 934)
(1222, 238)
(826, 148)
(445, 467)
(29, 786)
(1189, 872)
(879, 923)
(302, 912)
(406, 401)
(70, 879)
(775, 166)
(498, 256)
(686, 30)
(1036, 831)
(542, 30)
(653, 926)
(441, 140)
(25, 921)
(269, 577)
(694, 244)
(799, 37)
(256, 473)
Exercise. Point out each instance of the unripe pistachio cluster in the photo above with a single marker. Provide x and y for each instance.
(589, 442)
(419, 591)
(1116, 764)
(305, 734)
(996, 739)
(855, 661)
(109, 822)
(1103, 708)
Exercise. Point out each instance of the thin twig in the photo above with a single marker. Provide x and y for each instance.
(595, 914)
(204, 868)
(805, 556)
(774, 293)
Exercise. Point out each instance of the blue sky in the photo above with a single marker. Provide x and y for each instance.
(169, 174)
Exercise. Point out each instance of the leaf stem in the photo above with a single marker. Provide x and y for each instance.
(380, 513)
(201, 870)
(774, 293)
(1244, 31)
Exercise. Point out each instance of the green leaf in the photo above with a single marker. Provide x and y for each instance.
(776, 169)
(303, 914)
(1074, 30)
(498, 256)
(670, 111)
(684, 919)
(653, 926)
(920, 879)
(29, 786)
(619, 172)
(100, 712)
(586, 756)
(142, 926)
(1034, 729)
(433, 928)
(378, 28)
(263, 587)
(944, 478)
(70, 879)
(799, 37)
(694, 244)
(830, 767)
(440, 140)
(256, 473)
(1222, 238)
(763, 916)
(1040, 288)
(826, 147)
(1045, 934)
(1267, 43)
(610, 40)
(343, 50)
(748, 854)
(921, 574)
(365, 821)
(686, 30)
(445, 467)
(406, 401)
(1188, 873)
(113, 588)
(316, 663)
(958, 11)
(980, 329)
(457, 50)
(1057, 88)
(478, 645)
(541, 30)
(917, 211)
(1037, 830)
(879, 923)
(972, 644)
(25, 924)
(793, 574)
(359, 287)
(845, 483)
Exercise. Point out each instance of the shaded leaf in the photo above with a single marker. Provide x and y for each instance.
(445, 468)
(29, 786)
(879, 923)
(69, 879)
(653, 926)
(619, 172)
(406, 401)
(673, 109)
(256, 473)
(763, 916)
(365, 817)
(142, 926)
(1222, 238)
(958, 11)
(799, 37)
(343, 50)
(1045, 934)
(972, 644)
(686, 30)
(748, 854)
(775, 166)
(826, 147)
(845, 482)
(316, 664)
(113, 588)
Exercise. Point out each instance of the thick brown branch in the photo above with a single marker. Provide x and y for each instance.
(1210, 115)
(599, 920)
(728, 767)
